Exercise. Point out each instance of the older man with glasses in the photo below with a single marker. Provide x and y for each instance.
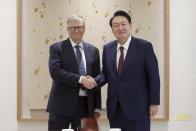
(70, 62)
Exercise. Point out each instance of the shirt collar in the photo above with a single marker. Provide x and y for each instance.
(126, 45)
(74, 44)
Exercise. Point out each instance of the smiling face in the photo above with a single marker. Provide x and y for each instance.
(121, 28)
(76, 30)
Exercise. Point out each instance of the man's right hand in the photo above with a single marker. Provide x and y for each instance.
(88, 82)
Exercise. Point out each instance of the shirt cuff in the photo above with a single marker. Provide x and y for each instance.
(97, 110)
(80, 80)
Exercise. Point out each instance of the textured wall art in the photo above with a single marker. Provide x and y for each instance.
(43, 22)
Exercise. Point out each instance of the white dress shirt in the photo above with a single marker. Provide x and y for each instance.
(81, 92)
(126, 46)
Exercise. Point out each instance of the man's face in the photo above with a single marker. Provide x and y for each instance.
(121, 28)
(76, 30)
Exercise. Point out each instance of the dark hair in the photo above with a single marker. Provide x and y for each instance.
(120, 13)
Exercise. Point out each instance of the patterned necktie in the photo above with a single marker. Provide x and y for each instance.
(121, 60)
(80, 61)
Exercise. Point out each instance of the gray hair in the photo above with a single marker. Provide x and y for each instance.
(75, 17)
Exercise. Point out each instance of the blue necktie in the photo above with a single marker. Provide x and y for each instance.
(80, 62)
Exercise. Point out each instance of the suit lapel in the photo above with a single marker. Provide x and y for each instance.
(70, 52)
(113, 58)
(87, 56)
(131, 54)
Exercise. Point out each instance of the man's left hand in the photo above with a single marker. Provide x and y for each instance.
(153, 110)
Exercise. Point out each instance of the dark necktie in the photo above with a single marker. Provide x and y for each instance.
(80, 61)
(121, 60)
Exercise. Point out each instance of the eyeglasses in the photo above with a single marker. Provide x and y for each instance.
(73, 28)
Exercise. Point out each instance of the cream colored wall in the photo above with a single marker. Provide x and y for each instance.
(8, 90)
(182, 64)
(44, 22)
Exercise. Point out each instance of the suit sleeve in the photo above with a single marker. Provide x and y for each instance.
(97, 92)
(101, 79)
(57, 72)
(152, 75)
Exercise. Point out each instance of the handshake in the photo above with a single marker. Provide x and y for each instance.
(88, 82)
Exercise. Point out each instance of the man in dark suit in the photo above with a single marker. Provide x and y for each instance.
(131, 70)
(70, 62)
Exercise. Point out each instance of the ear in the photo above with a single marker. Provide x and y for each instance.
(112, 30)
(131, 24)
(84, 28)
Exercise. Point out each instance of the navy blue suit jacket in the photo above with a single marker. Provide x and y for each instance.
(138, 85)
(63, 69)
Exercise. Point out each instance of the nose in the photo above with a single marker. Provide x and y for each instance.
(76, 30)
(120, 27)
